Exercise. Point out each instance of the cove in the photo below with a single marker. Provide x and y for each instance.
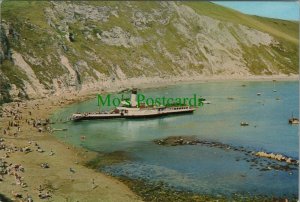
(200, 169)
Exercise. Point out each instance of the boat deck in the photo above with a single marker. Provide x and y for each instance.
(139, 113)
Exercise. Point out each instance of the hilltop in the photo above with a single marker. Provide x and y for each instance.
(48, 48)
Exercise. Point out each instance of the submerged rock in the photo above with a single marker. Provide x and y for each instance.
(260, 160)
(177, 140)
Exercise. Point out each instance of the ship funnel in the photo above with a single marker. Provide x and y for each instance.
(133, 97)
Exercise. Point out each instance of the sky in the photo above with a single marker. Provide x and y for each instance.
(287, 10)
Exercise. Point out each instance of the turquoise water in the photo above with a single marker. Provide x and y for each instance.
(199, 168)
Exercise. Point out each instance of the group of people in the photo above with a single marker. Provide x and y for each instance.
(16, 117)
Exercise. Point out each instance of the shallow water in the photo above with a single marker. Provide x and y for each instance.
(199, 168)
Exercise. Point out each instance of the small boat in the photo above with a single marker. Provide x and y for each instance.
(244, 123)
(230, 98)
(293, 120)
(258, 94)
(206, 102)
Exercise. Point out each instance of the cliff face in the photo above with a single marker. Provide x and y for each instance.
(51, 47)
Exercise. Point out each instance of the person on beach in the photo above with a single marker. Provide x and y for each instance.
(51, 153)
(93, 184)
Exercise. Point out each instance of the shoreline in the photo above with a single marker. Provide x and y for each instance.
(155, 82)
(66, 178)
(63, 184)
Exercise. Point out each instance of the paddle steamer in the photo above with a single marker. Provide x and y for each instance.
(134, 111)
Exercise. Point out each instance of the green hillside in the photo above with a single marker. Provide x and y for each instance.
(50, 46)
(287, 30)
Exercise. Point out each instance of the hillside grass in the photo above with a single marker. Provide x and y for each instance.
(42, 40)
(32, 11)
(286, 30)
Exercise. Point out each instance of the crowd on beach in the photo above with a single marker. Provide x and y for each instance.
(18, 116)
(13, 128)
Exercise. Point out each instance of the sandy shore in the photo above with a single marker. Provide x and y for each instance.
(82, 184)
(67, 179)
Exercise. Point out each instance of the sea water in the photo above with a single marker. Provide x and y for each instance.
(201, 169)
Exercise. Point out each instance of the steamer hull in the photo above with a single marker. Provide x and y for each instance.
(160, 115)
(81, 117)
(134, 114)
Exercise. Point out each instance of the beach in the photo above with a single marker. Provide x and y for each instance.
(66, 178)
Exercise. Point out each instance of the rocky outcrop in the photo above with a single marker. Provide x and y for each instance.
(34, 87)
(118, 37)
(278, 157)
(177, 140)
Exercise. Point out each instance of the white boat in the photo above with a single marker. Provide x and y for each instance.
(293, 120)
(126, 112)
(206, 102)
(244, 123)
(134, 111)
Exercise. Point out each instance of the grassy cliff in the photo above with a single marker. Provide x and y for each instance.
(50, 46)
